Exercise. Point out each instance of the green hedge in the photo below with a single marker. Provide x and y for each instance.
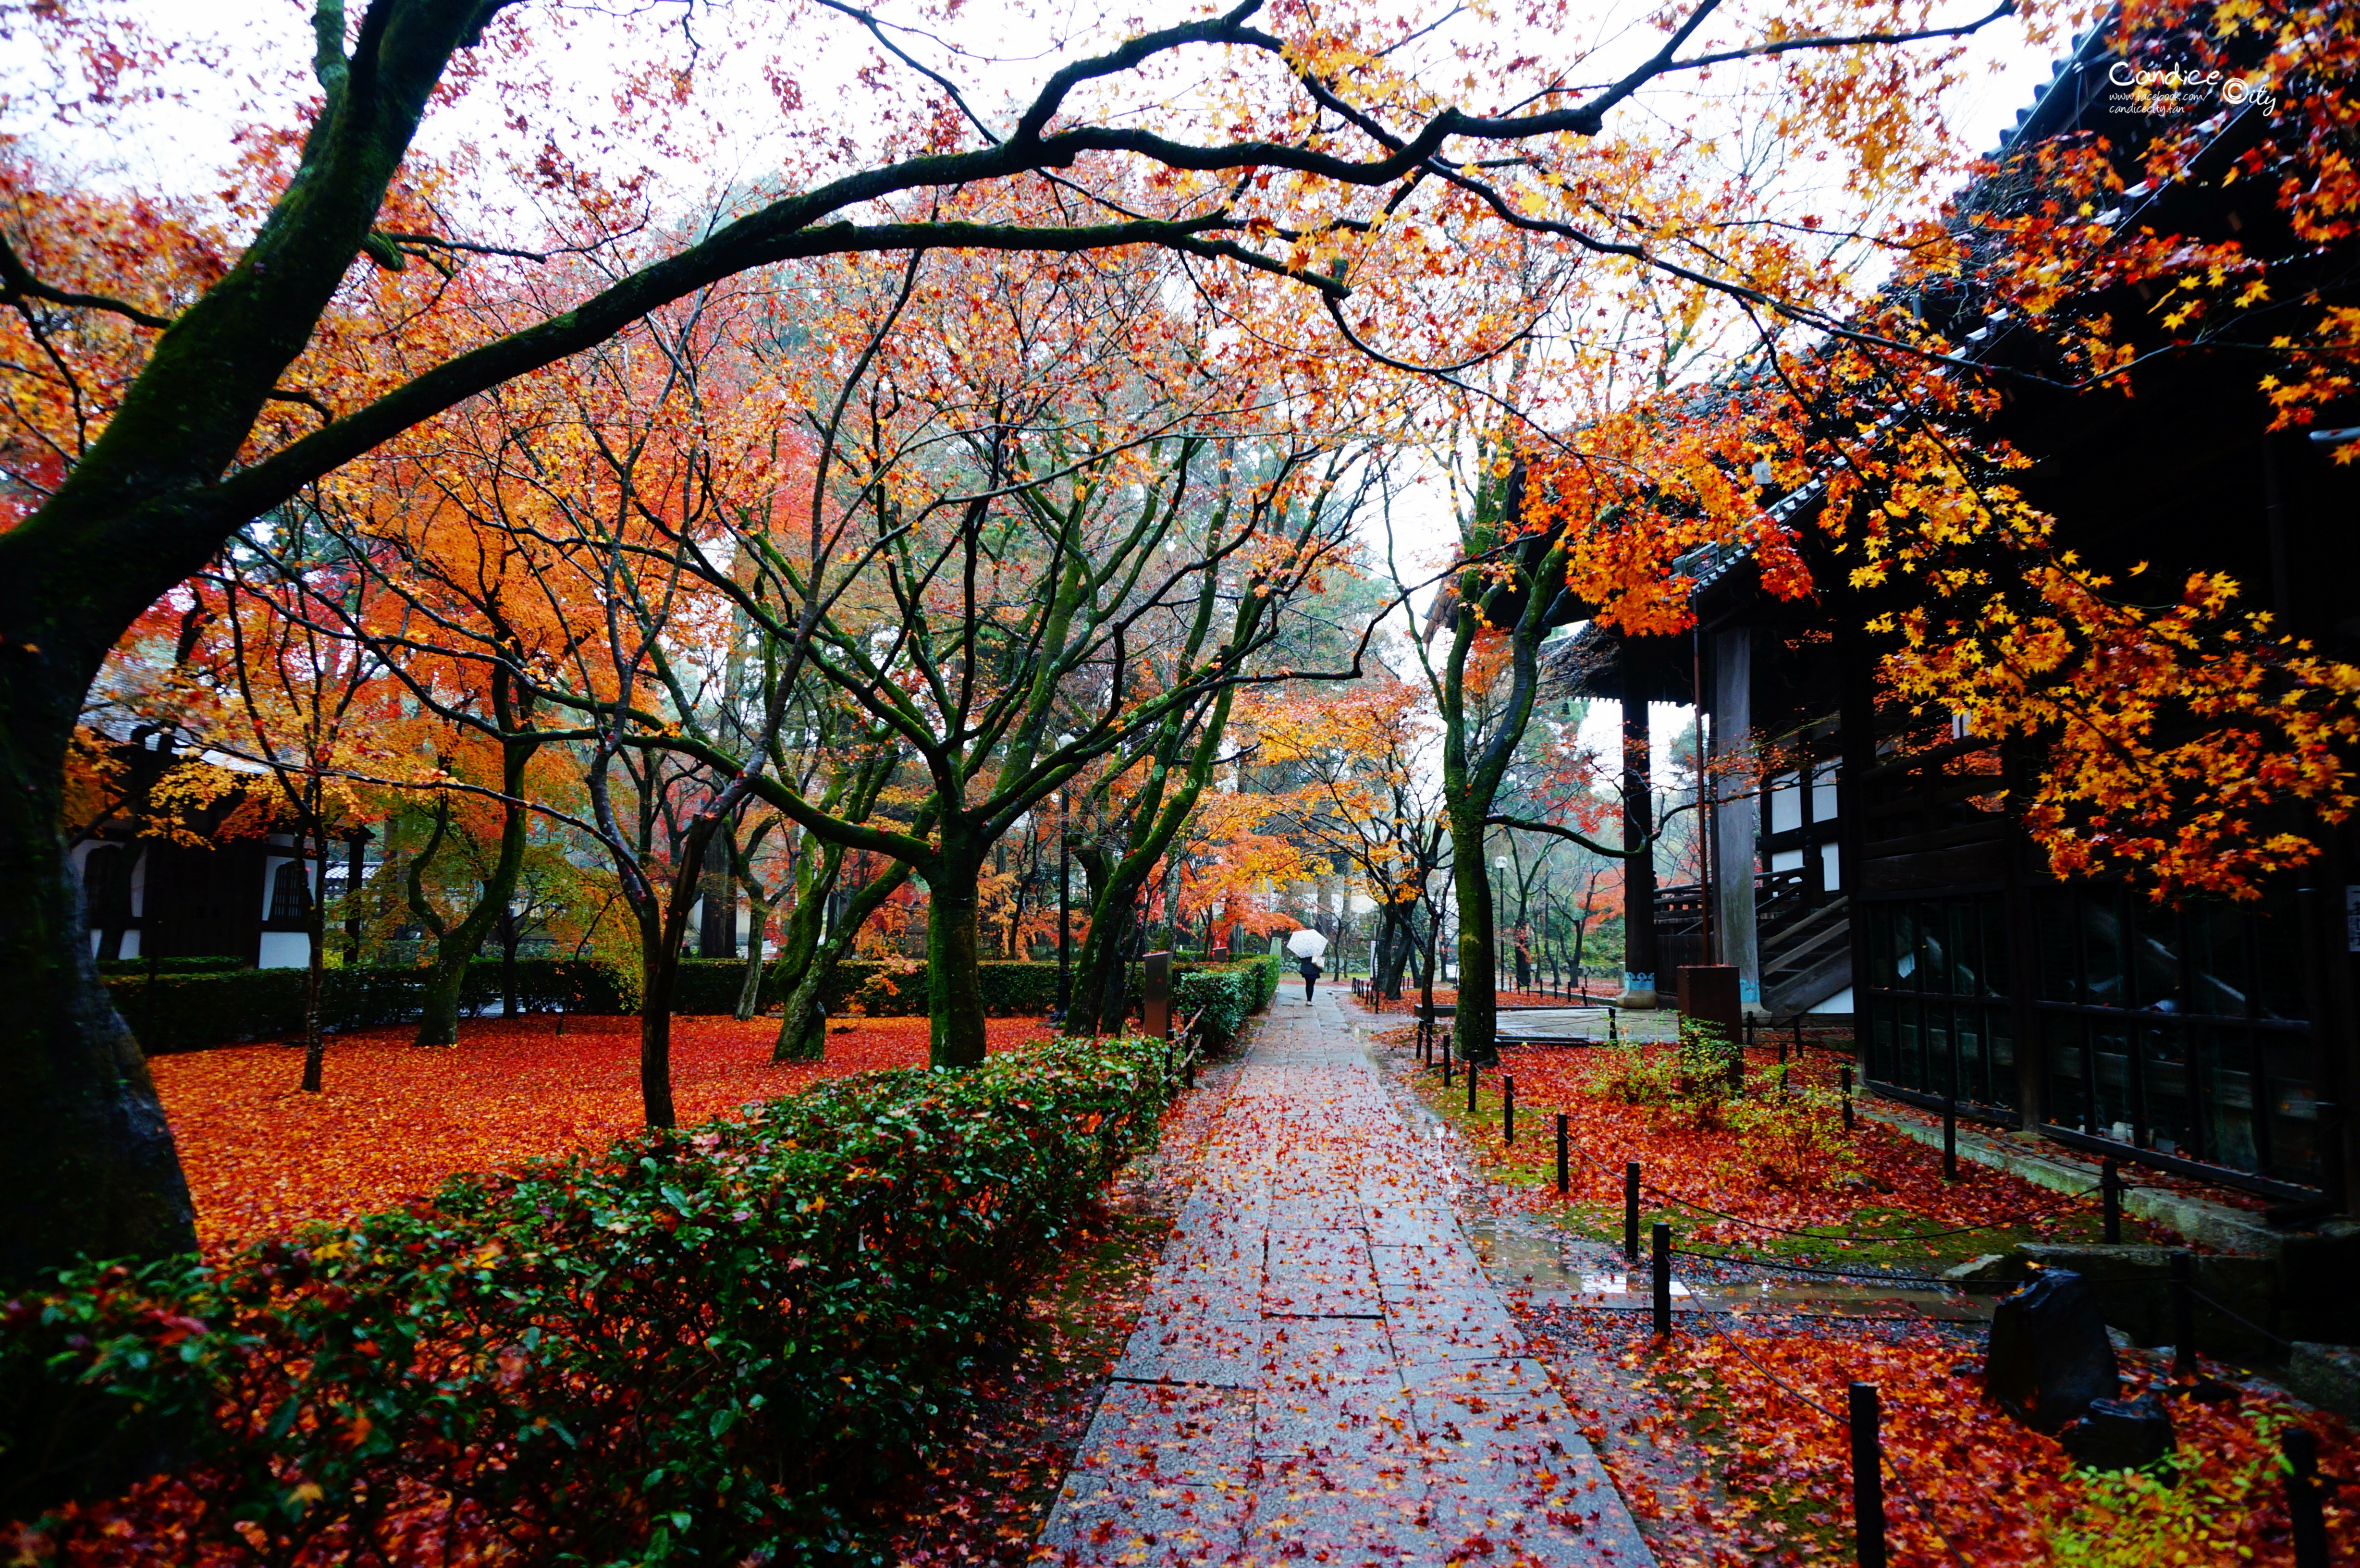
(169, 966)
(190, 1011)
(691, 1347)
(1227, 993)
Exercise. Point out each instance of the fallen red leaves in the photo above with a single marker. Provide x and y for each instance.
(1716, 1168)
(262, 1156)
(1969, 1476)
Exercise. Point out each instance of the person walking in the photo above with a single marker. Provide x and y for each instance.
(1310, 975)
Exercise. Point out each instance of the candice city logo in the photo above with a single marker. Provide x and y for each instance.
(2173, 87)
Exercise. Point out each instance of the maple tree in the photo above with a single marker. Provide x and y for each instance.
(1362, 758)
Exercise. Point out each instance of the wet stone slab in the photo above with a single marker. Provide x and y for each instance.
(1323, 1370)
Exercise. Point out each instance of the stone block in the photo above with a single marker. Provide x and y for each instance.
(2120, 1434)
(2049, 1357)
(2326, 1374)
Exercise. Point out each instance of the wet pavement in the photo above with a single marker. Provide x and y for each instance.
(1324, 1370)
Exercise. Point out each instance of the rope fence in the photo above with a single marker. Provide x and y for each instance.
(1870, 1463)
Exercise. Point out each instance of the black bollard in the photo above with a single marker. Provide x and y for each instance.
(1471, 1070)
(2109, 1192)
(1446, 1058)
(1507, 1107)
(1564, 1171)
(1847, 1097)
(1950, 1140)
(1662, 1280)
(1612, 1036)
(2308, 1526)
(1867, 1478)
(1630, 1212)
(2183, 1315)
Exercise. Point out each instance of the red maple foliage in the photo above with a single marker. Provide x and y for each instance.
(1699, 1169)
(1966, 1480)
(262, 1157)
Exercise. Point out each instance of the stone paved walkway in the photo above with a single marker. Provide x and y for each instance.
(1322, 1371)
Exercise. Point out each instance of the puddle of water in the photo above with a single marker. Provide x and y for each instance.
(1526, 1257)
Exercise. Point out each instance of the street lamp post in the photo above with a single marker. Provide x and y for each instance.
(1499, 922)
(1065, 916)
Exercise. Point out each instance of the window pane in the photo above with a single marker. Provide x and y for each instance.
(1999, 1049)
(2101, 949)
(1967, 1039)
(2229, 1100)
(2293, 1114)
(1884, 1053)
(1938, 1063)
(2170, 1123)
(1965, 963)
(1934, 943)
(2216, 959)
(2155, 969)
(1880, 946)
(1909, 1071)
(1904, 946)
(2068, 1098)
(2111, 1054)
(1995, 953)
(2277, 943)
(2060, 963)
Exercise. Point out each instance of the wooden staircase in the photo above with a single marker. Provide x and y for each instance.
(1807, 957)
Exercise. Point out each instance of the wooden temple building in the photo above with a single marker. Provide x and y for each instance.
(1877, 876)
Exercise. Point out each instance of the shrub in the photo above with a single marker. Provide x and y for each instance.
(210, 1002)
(1225, 994)
(1687, 1085)
(1791, 1133)
(190, 1011)
(690, 1348)
(169, 966)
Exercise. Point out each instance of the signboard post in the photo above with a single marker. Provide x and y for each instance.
(1156, 1023)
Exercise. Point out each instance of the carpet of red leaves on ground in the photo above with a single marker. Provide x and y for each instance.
(394, 1120)
(1968, 1476)
(1727, 1441)
(1696, 1170)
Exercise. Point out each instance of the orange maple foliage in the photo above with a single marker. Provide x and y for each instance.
(394, 1120)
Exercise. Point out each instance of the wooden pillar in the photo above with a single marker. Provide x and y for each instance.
(1641, 982)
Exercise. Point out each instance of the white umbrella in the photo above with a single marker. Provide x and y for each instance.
(1306, 943)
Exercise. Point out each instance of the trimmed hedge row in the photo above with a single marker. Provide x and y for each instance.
(690, 1348)
(189, 1011)
(1227, 994)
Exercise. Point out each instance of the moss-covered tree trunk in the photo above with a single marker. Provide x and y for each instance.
(88, 1166)
(955, 1022)
(750, 990)
(438, 1019)
(810, 954)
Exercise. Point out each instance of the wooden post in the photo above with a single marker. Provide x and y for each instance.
(2308, 1526)
(1630, 1212)
(1564, 1171)
(1867, 1478)
(1661, 1277)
